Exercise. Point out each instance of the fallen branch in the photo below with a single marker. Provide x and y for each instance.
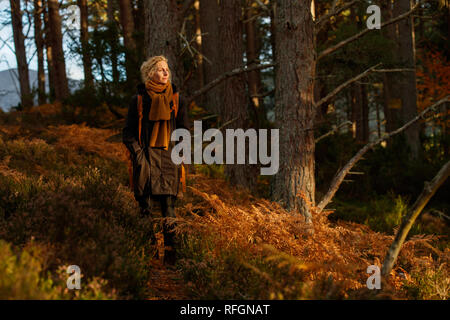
(339, 177)
(359, 35)
(226, 75)
(428, 191)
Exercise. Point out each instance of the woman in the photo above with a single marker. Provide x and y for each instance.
(153, 114)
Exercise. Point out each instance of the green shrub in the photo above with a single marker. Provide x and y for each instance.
(430, 285)
(381, 214)
(23, 276)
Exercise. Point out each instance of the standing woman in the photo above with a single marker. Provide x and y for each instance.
(153, 114)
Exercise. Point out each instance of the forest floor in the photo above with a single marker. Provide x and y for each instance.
(166, 283)
(232, 244)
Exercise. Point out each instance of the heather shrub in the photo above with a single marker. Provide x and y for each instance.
(68, 157)
(432, 284)
(89, 221)
(23, 276)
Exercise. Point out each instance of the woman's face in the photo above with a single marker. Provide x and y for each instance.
(161, 74)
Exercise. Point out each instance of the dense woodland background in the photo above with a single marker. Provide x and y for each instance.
(337, 91)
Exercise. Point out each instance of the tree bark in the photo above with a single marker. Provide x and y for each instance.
(294, 105)
(56, 38)
(390, 82)
(253, 39)
(84, 39)
(21, 58)
(360, 114)
(407, 80)
(39, 41)
(254, 77)
(111, 8)
(209, 24)
(161, 34)
(139, 30)
(49, 53)
(235, 106)
(198, 46)
(428, 191)
(127, 22)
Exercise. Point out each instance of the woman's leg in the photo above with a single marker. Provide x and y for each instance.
(145, 205)
(168, 211)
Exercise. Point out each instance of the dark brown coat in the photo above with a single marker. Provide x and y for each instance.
(153, 170)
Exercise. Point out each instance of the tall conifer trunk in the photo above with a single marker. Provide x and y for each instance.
(294, 111)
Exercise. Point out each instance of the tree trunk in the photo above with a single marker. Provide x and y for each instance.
(254, 77)
(21, 58)
(360, 114)
(198, 46)
(60, 77)
(39, 41)
(407, 80)
(390, 82)
(209, 24)
(127, 22)
(235, 106)
(111, 8)
(294, 111)
(49, 52)
(272, 30)
(139, 30)
(84, 40)
(161, 34)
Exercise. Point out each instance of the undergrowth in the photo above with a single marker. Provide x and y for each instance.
(65, 200)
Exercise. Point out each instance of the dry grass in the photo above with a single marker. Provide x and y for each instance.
(88, 140)
(332, 262)
(340, 252)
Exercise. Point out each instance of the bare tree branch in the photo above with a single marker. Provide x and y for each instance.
(192, 49)
(262, 5)
(342, 86)
(359, 35)
(5, 43)
(339, 177)
(335, 128)
(322, 20)
(224, 76)
(396, 70)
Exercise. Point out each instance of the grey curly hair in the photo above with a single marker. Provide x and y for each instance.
(148, 68)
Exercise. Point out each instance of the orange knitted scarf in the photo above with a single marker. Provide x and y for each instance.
(161, 95)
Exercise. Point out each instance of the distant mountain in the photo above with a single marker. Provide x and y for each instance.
(10, 88)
